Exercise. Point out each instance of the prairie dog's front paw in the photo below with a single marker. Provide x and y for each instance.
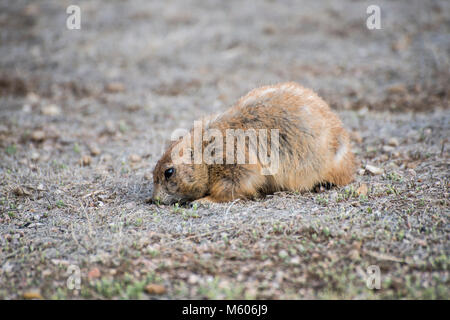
(202, 202)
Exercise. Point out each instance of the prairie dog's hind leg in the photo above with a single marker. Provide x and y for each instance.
(343, 164)
(323, 186)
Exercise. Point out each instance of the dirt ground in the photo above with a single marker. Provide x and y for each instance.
(85, 114)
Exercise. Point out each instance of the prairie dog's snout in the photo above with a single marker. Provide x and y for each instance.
(281, 137)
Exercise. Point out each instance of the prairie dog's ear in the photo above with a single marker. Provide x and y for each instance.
(191, 153)
(167, 143)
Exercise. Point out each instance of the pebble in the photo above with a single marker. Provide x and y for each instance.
(362, 190)
(34, 156)
(26, 108)
(397, 89)
(193, 279)
(85, 160)
(133, 107)
(94, 274)
(31, 10)
(295, 260)
(402, 44)
(33, 98)
(35, 225)
(388, 149)
(374, 170)
(8, 267)
(115, 87)
(46, 273)
(148, 176)
(356, 136)
(354, 254)
(411, 165)
(18, 191)
(393, 142)
(94, 149)
(135, 158)
(269, 28)
(283, 254)
(32, 294)
(155, 289)
(60, 262)
(130, 205)
(107, 158)
(51, 110)
(392, 165)
(38, 135)
(110, 127)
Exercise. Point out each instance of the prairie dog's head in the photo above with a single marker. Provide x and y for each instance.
(178, 182)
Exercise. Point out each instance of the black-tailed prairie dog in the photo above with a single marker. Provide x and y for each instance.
(276, 138)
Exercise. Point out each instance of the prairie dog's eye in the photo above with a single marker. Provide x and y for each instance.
(168, 173)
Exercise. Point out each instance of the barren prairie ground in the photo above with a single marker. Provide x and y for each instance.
(85, 114)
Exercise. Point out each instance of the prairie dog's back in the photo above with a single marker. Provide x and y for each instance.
(314, 147)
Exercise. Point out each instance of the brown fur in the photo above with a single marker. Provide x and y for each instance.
(314, 148)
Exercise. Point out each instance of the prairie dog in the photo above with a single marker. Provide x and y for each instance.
(313, 148)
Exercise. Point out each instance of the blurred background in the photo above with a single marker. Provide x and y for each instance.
(165, 63)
